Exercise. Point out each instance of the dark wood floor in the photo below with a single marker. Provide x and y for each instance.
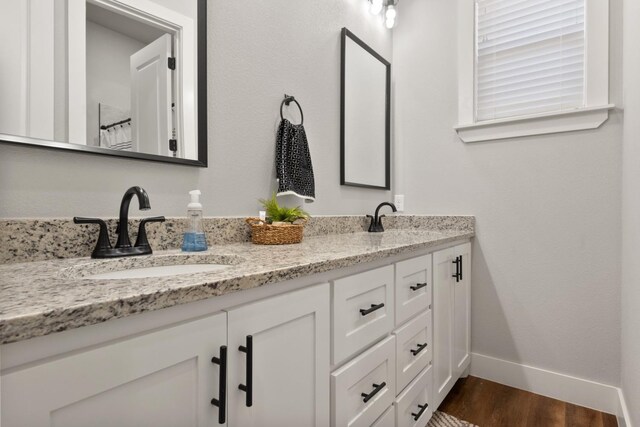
(489, 404)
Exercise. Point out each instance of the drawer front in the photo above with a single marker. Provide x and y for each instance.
(413, 348)
(413, 287)
(388, 419)
(362, 311)
(410, 405)
(370, 377)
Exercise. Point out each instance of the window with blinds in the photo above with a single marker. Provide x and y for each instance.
(530, 57)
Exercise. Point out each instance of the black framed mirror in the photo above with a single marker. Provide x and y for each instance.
(124, 78)
(365, 116)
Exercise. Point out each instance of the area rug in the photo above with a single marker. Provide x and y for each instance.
(440, 419)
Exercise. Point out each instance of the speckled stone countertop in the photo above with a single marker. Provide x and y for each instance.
(43, 297)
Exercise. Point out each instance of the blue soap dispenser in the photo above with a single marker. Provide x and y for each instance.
(194, 238)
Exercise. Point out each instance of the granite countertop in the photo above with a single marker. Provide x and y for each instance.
(40, 298)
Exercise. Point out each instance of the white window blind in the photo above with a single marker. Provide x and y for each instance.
(530, 57)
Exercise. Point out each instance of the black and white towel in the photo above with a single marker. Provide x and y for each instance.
(293, 162)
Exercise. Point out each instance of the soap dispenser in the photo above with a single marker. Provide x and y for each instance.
(194, 238)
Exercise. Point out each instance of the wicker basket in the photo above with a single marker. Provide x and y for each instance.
(268, 234)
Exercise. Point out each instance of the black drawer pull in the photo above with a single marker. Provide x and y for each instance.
(376, 390)
(221, 401)
(418, 286)
(419, 349)
(248, 388)
(458, 263)
(423, 408)
(365, 311)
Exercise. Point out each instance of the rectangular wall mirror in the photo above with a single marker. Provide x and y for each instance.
(365, 116)
(123, 78)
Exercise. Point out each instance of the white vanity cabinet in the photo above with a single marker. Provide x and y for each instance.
(378, 344)
(451, 317)
(167, 378)
(162, 378)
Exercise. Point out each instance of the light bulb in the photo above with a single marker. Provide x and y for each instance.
(390, 23)
(391, 12)
(376, 6)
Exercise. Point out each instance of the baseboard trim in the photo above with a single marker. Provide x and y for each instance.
(578, 391)
(624, 419)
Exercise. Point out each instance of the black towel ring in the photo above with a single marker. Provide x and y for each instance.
(286, 101)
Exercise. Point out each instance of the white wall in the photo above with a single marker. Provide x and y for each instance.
(631, 213)
(546, 264)
(257, 52)
(108, 73)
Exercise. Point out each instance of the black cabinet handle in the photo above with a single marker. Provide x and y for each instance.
(423, 408)
(460, 267)
(457, 263)
(248, 388)
(376, 390)
(419, 349)
(365, 311)
(418, 286)
(221, 401)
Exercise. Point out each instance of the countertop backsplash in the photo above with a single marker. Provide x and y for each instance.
(25, 240)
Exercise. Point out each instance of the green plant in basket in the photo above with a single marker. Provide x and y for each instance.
(277, 213)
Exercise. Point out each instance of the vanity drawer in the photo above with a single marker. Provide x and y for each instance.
(370, 376)
(413, 348)
(362, 310)
(411, 402)
(413, 287)
(388, 419)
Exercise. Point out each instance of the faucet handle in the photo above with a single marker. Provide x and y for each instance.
(103, 242)
(372, 224)
(141, 240)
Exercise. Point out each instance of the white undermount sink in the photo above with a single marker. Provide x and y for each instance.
(151, 266)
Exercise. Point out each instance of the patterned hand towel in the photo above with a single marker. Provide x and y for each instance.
(293, 162)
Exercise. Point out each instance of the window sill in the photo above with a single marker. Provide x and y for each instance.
(539, 124)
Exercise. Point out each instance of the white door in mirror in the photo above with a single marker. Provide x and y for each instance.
(151, 117)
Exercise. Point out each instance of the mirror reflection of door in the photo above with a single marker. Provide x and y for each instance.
(129, 83)
(151, 98)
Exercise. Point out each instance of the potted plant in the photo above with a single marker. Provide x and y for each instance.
(282, 225)
(282, 215)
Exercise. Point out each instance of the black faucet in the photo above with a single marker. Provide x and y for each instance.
(376, 221)
(123, 221)
(123, 247)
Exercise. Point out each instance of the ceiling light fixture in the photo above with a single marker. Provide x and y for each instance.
(390, 14)
(388, 10)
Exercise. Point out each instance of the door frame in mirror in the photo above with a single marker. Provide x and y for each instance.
(201, 113)
(346, 33)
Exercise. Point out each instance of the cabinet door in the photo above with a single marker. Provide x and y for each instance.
(462, 311)
(443, 324)
(289, 377)
(163, 378)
